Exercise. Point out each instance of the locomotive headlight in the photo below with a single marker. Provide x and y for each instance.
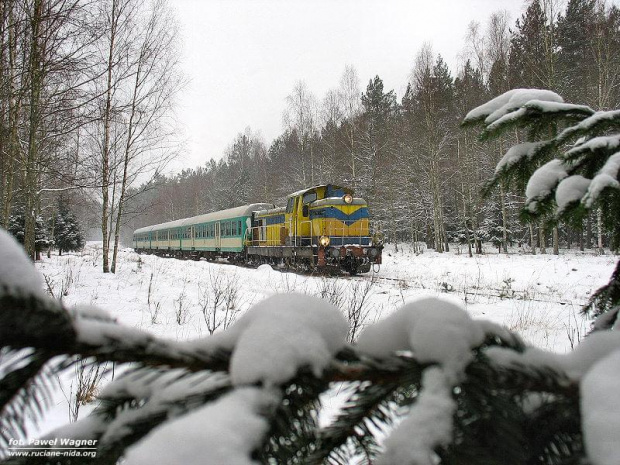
(324, 241)
(348, 198)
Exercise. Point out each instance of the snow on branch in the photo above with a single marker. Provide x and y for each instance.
(317, 331)
(423, 327)
(226, 431)
(17, 275)
(606, 177)
(518, 153)
(509, 102)
(570, 190)
(601, 411)
(593, 125)
(523, 108)
(544, 181)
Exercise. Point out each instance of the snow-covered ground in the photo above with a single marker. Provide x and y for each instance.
(537, 295)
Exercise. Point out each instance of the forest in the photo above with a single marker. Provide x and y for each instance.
(408, 156)
(86, 91)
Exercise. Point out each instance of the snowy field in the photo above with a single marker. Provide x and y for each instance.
(537, 295)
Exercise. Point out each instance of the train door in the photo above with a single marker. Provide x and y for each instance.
(218, 236)
(303, 205)
(192, 233)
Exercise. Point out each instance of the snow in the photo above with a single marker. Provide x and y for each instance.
(571, 189)
(544, 179)
(506, 119)
(427, 426)
(601, 411)
(424, 327)
(594, 144)
(537, 295)
(607, 176)
(509, 102)
(280, 335)
(16, 270)
(574, 364)
(588, 123)
(157, 394)
(89, 427)
(516, 153)
(547, 106)
(223, 432)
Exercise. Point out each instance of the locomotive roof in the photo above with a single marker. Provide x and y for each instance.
(333, 186)
(244, 210)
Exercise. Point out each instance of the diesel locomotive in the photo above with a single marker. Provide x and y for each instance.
(322, 228)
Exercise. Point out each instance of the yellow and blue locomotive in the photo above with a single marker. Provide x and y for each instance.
(321, 228)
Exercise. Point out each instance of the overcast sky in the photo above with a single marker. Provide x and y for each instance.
(243, 57)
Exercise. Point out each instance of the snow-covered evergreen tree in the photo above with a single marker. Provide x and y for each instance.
(577, 152)
(68, 236)
(17, 224)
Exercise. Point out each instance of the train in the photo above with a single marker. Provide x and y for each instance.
(322, 228)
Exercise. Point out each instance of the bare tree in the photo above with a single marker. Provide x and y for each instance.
(148, 144)
(301, 116)
(350, 98)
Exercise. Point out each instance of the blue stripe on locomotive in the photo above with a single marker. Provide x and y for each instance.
(336, 213)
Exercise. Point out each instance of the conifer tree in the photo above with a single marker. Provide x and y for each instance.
(579, 165)
(68, 236)
(17, 227)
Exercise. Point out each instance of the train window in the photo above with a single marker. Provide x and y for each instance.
(290, 205)
(309, 197)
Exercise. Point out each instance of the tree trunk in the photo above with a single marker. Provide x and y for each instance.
(556, 241)
(105, 159)
(30, 178)
(532, 238)
(502, 196)
(128, 147)
(599, 231)
(14, 103)
(543, 239)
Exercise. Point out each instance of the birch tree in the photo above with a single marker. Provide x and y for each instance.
(300, 116)
(154, 82)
